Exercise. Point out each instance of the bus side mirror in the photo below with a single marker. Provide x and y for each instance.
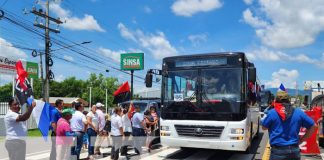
(305, 100)
(252, 74)
(148, 80)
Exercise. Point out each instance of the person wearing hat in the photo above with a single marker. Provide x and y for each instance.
(283, 124)
(63, 135)
(102, 123)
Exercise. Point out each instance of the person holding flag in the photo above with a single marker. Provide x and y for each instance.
(283, 124)
(16, 129)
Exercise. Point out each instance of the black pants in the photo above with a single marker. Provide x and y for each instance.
(53, 149)
(123, 149)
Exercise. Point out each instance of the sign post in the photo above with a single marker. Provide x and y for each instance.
(131, 62)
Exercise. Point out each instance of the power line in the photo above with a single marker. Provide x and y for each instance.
(61, 43)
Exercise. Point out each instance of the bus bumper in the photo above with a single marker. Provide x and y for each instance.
(192, 142)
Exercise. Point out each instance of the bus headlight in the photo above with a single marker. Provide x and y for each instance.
(237, 131)
(165, 128)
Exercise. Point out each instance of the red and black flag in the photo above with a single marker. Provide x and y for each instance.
(23, 88)
(122, 94)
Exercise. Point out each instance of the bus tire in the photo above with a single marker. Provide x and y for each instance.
(249, 149)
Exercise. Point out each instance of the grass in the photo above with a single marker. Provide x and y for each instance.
(31, 133)
(34, 133)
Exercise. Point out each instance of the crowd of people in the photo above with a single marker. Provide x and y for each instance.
(73, 129)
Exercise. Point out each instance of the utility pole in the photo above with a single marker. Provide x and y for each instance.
(48, 59)
(46, 95)
(132, 81)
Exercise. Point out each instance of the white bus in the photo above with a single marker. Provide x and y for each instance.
(209, 101)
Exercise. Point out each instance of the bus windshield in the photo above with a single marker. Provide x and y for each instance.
(206, 92)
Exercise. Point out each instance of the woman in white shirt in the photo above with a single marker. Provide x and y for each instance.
(127, 127)
(116, 132)
(93, 129)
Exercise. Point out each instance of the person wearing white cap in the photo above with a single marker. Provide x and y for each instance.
(102, 132)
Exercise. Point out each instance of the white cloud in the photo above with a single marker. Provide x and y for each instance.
(286, 24)
(266, 54)
(253, 21)
(5, 79)
(114, 55)
(157, 44)
(68, 58)
(197, 38)
(88, 22)
(187, 8)
(287, 77)
(248, 2)
(147, 9)
(125, 32)
(60, 78)
(7, 50)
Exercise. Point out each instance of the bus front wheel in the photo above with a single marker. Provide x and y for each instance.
(249, 149)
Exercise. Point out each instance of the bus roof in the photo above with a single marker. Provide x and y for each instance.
(215, 54)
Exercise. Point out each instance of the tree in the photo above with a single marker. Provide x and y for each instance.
(99, 85)
(72, 87)
(5, 92)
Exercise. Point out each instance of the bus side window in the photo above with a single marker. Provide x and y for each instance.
(252, 98)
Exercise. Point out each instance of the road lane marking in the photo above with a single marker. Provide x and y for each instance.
(266, 153)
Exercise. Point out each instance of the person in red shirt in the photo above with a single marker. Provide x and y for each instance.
(64, 135)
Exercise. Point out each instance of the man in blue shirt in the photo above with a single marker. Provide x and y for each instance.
(55, 115)
(283, 123)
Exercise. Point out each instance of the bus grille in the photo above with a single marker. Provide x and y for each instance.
(199, 131)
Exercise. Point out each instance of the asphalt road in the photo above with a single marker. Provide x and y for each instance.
(38, 149)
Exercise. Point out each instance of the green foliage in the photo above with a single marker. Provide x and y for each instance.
(5, 92)
(99, 85)
(72, 87)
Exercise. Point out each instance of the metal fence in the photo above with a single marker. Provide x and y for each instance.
(4, 107)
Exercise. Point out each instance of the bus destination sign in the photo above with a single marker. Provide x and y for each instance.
(201, 62)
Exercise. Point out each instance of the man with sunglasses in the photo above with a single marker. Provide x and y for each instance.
(16, 129)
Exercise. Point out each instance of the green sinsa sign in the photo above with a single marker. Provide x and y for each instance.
(132, 61)
(32, 70)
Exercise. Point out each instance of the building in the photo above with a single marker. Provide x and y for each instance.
(68, 101)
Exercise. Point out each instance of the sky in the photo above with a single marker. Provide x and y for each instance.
(283, 38)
